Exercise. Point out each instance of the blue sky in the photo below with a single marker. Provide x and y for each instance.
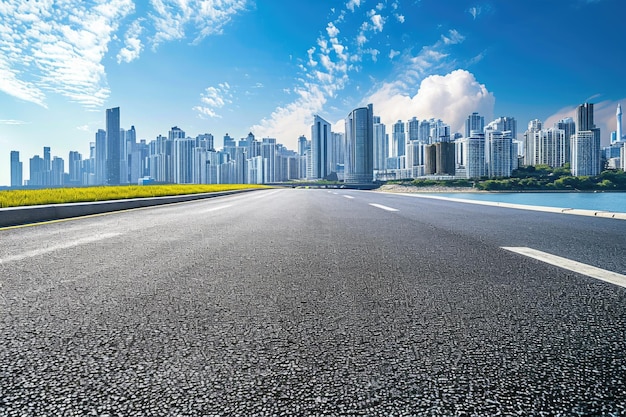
(234, 66)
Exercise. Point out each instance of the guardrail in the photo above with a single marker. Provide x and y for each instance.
(15, 216)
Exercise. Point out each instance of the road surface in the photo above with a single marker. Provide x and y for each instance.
(312, 303)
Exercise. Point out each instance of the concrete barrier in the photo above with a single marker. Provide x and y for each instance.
(15, 216)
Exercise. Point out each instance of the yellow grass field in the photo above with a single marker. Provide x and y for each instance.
(16, 198)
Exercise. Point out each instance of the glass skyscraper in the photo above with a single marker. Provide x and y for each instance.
(113, 156)
(359, 156)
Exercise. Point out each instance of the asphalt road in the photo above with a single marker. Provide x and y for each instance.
(311, 303)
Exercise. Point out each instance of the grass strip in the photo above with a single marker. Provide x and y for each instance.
(18, 198)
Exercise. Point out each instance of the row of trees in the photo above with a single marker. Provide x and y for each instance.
(540, 177)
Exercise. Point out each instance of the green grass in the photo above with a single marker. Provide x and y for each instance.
(17, 198)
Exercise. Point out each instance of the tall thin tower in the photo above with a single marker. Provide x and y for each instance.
(618, 116)
(113, 146)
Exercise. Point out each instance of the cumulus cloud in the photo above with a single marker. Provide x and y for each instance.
(132, 43)
(328, 64)
(450, 97)
(377, 22)
(353, 4)
(399, 18)
(213, 99)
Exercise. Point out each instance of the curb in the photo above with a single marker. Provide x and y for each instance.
(561, 210)
(17, 216)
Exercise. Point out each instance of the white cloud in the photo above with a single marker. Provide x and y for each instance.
(474, 11)
(327, 72)
(453, 38)
(332, 30)
(13, 122)
(133, 45)
(400, 18)
(377, 22)
(208, 17)
(58, 47)
(450, 97)
(353, 4)
(213, 99)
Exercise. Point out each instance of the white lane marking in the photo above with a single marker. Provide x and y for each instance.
(349, 197)
(267, 193)
(216, 208)
(380, 206)
(574, 266)
(42, 251)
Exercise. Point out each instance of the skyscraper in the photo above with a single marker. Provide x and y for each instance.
(585, 143)
(75, 160)
(474, 122)
(584, 117)
(618, 117)
(398, 139)
(359, 157)
(320, 138)
(498, 153)
(113, 144)
(380, 145)
(16, 169)
(569, 127)
(412, 129)
(505, 124)
(101, 157)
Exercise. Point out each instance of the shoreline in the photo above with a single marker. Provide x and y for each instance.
(399, 188)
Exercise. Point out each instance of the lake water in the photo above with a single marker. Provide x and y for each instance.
(614, 202)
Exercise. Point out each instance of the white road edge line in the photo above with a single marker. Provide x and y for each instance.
(349, 197)
(380, 206)
(42, 251)
(574, 266)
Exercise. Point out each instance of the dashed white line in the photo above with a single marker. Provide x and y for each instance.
(216, 208)
(574, 266)
(348, 197)
(42, 251)
(380, 206)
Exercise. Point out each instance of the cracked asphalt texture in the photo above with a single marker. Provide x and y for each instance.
(306, 303)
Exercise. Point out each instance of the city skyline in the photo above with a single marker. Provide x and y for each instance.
(279, 64)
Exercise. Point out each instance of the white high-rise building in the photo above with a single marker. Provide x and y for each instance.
(381, 151)
(530, 150)
(569, 126)
(585, 145)
(504, 124)
(474, 122)
(183, 160)
(498, 153)
(470, 155)
(549, 146)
